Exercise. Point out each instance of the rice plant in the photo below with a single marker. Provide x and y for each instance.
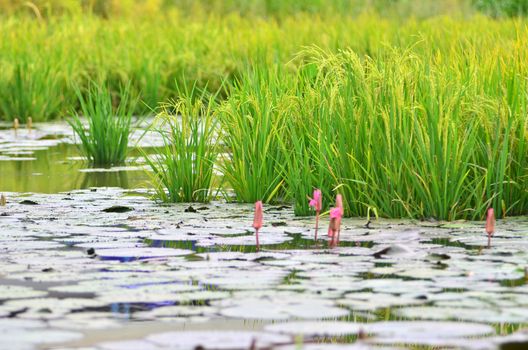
(182, 171)
(103, 130)
(209, 48)
(401, 135)
(303, 168)
(33, 89)
(252, 121)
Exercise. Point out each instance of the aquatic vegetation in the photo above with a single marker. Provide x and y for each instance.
(3, 200)
(104, 140)
(252, 129)
(33, 87)
(398, 135)
(257, 221)
(316, 202)
(302, 170)
(182, 171)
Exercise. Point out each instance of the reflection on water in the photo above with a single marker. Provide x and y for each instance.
(54, 171)
(110, 179)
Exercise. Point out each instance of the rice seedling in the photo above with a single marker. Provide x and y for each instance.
(104, 138)
(183, 169)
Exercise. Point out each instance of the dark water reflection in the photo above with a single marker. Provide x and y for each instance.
(54, 171)
(110, 179)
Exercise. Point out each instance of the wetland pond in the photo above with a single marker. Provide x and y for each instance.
(89, 261)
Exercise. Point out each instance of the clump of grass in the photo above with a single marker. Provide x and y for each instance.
(32, 89)
(297, 168)
(413, 138)
(253, 129)
(105, 136)
(306, 167)
(183, 169)
(401, 133)
(302, 168)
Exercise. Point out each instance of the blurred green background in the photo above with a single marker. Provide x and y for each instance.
(276, 8)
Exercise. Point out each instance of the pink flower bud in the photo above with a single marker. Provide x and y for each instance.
(258, 218)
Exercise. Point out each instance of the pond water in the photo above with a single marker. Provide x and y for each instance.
(61, 168)
(46, 160)
(87, 267)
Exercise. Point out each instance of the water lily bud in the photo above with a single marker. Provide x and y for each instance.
(16, 124)
(29, 123)
(258, 218)
(317, 201)
(339, 204)
(335, 221)
(490, 222)
(257, 222)
(3, 200)
(362, 335)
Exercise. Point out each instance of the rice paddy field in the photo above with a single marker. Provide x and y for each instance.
(264, 174)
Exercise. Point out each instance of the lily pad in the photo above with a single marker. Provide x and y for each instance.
(316, 329)
(229, 340)
(127, 254)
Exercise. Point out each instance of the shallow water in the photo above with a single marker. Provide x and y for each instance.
(46, 160)
(108, 268)
(60, 169)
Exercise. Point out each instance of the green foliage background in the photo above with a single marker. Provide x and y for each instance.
(415, 108)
